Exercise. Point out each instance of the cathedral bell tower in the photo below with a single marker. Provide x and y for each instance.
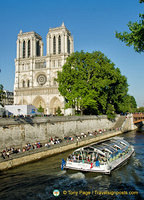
(59, 41)
(29, 45)
(35, 73)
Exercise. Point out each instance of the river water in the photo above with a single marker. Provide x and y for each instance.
(37, 181)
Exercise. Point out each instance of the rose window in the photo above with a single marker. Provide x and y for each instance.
(41, 79)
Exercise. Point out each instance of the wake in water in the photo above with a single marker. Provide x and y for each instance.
(137, 163)
(78, 175)
(63, 182)
(61, 173)
(98, 178)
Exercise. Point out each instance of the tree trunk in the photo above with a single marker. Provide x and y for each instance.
(81, 112)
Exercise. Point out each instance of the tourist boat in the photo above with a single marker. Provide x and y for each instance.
(103, 156)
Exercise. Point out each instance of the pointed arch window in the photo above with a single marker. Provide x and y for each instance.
(29, 49)
(54, 45)
(28, 83)
(68, 44)
(59, 44)
(54, 82)
(37, 48)
(23, 49)
(23, 84)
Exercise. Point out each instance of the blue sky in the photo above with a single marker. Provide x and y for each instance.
(92, 23)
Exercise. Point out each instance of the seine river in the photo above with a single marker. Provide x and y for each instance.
(37, 181)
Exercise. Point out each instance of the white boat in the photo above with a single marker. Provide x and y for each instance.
(103, 156)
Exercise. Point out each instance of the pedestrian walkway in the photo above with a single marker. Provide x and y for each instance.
(119, 122)
(76, 139)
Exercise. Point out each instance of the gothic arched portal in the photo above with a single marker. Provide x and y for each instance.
(54, 104)
(39, 101)
(23, 102)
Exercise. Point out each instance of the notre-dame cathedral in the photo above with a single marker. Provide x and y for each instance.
(35, 73)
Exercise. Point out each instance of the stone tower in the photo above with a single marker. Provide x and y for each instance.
(35, 73)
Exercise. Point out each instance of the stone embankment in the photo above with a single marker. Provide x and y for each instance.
(19, 131)
(96, 124)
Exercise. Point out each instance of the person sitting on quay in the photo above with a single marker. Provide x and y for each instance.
(15, 151)
(7, 153)
(47, 145)
(3, 154)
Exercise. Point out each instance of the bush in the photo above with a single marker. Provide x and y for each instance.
(59, 112)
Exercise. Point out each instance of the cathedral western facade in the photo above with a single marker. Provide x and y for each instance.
(35, 73)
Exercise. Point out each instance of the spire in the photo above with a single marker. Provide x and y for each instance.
(20, 32)
(63, 24)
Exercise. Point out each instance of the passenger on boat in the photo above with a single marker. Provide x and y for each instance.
(94, 159)
(70, 157)
(74, 158)
(97, 161)
(91, 166)
(88, 159)
(80, 158)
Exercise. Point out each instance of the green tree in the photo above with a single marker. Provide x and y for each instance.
(140, 109)
(128, 104)
(58, 112)
(135, 37)
(1, 94)
(110, 112)
(89, 82)
(133, 103)
(40, 109)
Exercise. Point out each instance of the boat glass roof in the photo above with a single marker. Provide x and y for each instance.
(106, 145)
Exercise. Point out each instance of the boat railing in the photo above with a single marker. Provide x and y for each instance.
(87, 162)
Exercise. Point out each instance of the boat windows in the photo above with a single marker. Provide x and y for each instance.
(107, 152)
(100, 151)
(117, 147)
(120, 144)
(76, 156)
(88, 149)
(123, 143)
(102, 159)
(112, 149)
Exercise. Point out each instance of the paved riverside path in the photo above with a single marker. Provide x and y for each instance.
(36, 154)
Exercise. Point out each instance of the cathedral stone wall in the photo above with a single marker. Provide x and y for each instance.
(35, 73)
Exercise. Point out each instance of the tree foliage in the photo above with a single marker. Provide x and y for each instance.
(110, 112)
(128, 104)
(89, 82)
(58, 112)
(1, 94)
(135, 37)
(1, 88)
(140, 109)
(40, 109)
